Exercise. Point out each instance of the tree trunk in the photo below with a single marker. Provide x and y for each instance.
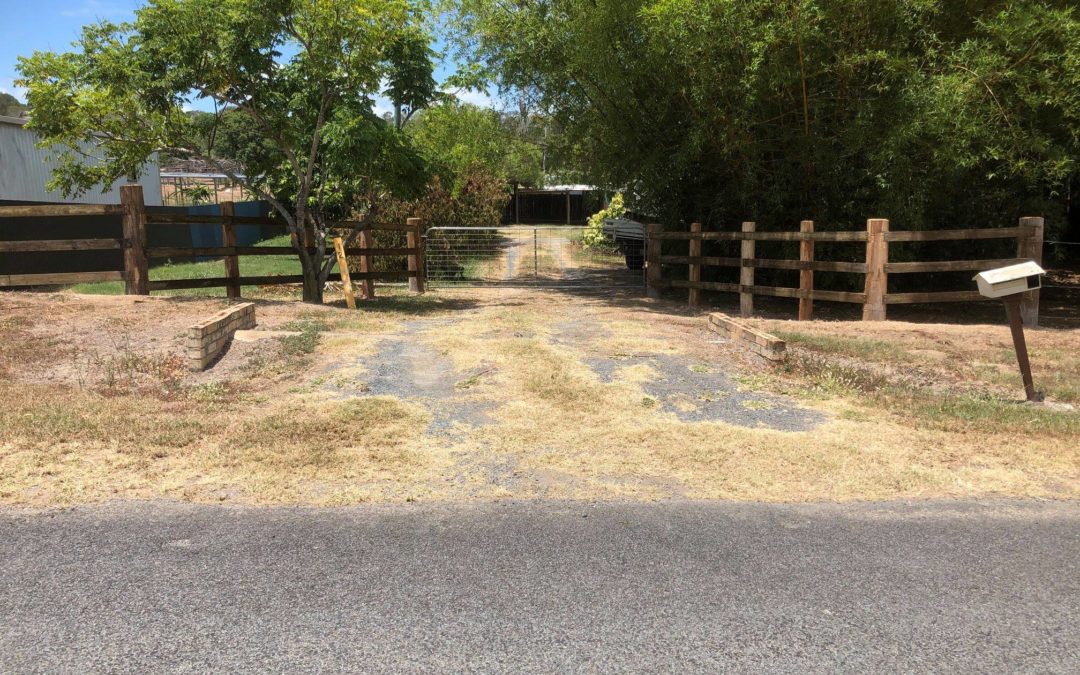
(313, 286)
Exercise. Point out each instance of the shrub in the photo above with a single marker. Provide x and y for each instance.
(593, 236)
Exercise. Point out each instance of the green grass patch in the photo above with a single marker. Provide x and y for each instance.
(250, 266)
(960, 412)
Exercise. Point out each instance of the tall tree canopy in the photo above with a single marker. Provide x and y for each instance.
(932, 112)
(458, 138)
(292, 83)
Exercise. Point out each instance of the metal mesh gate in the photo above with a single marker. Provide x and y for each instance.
(523, 256)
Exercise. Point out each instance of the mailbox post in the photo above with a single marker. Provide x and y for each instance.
(1010, 283)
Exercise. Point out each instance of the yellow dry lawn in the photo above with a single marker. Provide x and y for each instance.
(479, 395)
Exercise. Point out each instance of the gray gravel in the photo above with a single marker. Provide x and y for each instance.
(698, 392)
(407, 369)
(543, 587)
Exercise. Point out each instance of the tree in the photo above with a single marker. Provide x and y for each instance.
(10, 106)
(457, 139)
(934, 112)
(291, 83)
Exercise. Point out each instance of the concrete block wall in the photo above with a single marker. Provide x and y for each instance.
(759, 342)
(206, 340)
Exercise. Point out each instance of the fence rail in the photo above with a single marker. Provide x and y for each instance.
(876, 267)
(136, 218)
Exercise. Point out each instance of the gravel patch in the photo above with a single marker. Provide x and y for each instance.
(407, 369)
(698, 392)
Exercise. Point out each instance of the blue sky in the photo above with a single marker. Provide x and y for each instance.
(52, 25)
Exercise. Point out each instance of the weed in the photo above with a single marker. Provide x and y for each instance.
(468, 383)
(757, 405)
(299, 346)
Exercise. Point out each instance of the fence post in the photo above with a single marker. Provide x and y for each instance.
(695, 267)
(228, 240)
(652, 259)
(877, 282)
(1030, 246)
(136, 264)
(806, 273)
(343, 267)
(367, 284)
(415, 240)
(746, 272)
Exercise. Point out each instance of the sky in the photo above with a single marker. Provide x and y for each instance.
(52, 25)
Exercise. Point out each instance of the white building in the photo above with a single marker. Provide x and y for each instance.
(25, 170)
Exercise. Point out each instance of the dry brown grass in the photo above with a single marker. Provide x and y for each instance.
(586, 439)
(264, 426)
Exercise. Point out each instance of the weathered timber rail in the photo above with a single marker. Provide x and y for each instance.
(875, 266)
(136, 218)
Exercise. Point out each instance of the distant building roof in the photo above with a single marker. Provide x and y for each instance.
(200, 167)
(559, 189)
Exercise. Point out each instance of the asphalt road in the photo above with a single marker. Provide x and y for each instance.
(542, 587)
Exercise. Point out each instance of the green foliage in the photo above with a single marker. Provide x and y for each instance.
(458, 140)
(292, 83)
(935, 113)
(593, 236)
(10, 106)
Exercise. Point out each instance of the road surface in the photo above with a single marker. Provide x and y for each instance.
(542, 587)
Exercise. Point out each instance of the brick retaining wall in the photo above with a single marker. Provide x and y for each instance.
(206, 340)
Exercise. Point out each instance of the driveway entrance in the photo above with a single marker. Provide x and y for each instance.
(523, 256)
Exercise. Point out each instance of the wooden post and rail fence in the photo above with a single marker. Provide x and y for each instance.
(876, 268)
(136, 218)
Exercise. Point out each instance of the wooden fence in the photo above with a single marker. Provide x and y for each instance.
(876, 267)
(136, 218)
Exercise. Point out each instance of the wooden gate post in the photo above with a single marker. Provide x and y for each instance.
(415, 240)
(228, 240)
(367, 284)
(1029, 245)
(806, 273)
(695, 264)
(136, 264)
(746, 272)
(652, 259)
(877, 282)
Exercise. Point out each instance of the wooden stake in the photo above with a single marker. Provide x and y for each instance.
(695, 267)
(746, 273)
(415, 240)
(343, 267)
(806, 274)
(228, 239)
(877, 281)
(136, 264)
(1029, 246)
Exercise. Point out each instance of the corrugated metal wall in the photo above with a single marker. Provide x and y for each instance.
(25, 170)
